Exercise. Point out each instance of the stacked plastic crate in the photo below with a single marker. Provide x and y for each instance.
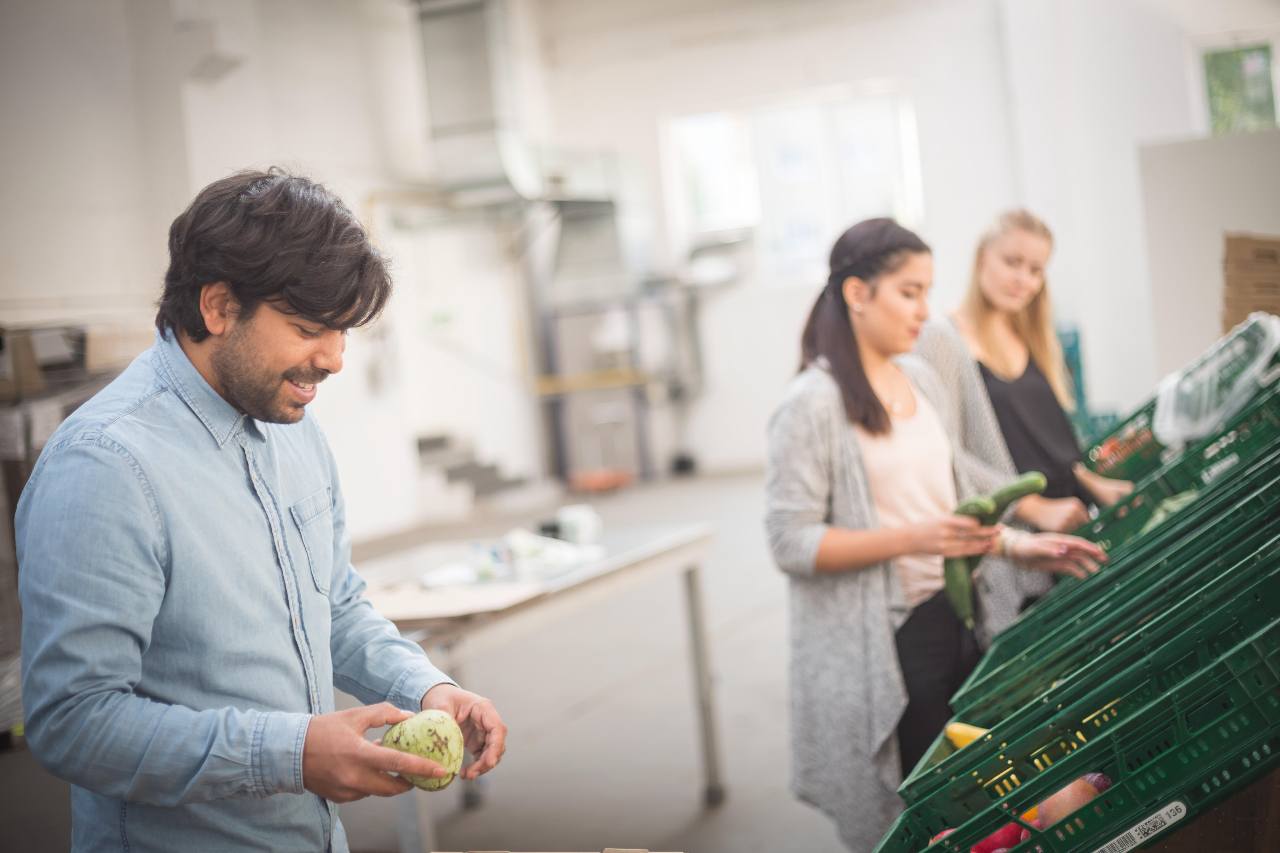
(1161, 672)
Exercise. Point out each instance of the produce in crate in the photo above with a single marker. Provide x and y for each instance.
(957, 573)
(1009, 835)
(1075, 795)
(963, 734)
(1052, 809)
(434, 735)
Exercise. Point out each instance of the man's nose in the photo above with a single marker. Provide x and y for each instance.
(329, 356)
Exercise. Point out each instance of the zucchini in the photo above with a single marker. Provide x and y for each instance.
(957, 572)
(979, 507)
(1030, 483)
(957, 580)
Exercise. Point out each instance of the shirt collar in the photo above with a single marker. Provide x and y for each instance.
(218, 416)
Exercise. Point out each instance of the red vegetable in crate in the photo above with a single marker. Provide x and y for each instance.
(1004, 837)
(941, 835)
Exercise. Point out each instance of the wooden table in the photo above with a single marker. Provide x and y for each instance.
(458, 623)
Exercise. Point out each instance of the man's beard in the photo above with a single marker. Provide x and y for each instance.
(252, 389)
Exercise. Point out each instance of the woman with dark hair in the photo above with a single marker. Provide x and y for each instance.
(864, 471)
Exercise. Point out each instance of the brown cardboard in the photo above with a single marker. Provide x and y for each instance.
(1252, 252)
(1248, 284)
(19, 371)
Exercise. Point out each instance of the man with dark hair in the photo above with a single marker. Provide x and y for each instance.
(188, 598)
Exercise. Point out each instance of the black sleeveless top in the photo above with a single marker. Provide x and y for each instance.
(1036, 429)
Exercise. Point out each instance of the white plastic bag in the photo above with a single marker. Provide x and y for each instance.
(1193, 403)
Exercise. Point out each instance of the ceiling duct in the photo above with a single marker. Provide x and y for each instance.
(480, 154)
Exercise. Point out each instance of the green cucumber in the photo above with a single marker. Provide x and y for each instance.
(957, 572)
(957, 580)
(1030, 483)
(979, 507)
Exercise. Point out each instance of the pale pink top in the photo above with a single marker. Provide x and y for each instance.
(910, 479)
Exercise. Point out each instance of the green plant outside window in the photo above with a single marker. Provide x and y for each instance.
(1241, 96)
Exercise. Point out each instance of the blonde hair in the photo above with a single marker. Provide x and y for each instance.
(1033, 324)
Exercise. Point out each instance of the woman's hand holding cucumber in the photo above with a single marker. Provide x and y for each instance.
(952, 536)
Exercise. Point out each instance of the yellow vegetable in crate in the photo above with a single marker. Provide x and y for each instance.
(957, 572)
(963, 734)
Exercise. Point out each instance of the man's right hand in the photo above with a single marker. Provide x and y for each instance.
(340, 765)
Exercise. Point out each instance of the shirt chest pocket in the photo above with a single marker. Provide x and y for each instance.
(314, 521)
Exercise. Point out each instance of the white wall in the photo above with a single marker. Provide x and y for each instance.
(1091, 80)
(1193, 192)
(1043, 103)
(85, 160)
(117, 111)
(617, 70)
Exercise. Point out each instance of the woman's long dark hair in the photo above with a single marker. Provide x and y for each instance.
(867, 250)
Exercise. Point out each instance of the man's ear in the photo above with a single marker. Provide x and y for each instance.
(218, 307)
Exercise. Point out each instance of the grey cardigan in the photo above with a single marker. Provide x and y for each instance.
(847, 690)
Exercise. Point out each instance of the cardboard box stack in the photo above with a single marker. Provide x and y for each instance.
(1251, 277)
(44, 376)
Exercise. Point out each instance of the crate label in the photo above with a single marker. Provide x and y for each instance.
(1148, 828)
(1212, 472)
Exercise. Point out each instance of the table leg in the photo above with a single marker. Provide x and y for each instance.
(715, 792)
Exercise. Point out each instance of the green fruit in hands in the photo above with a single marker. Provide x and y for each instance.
(957, 572)
(979, 507)
(434, 735)
(1030, 483)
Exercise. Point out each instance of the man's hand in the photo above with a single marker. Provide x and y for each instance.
(340, 765)
(483, 731)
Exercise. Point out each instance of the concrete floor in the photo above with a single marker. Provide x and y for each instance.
(602, 748)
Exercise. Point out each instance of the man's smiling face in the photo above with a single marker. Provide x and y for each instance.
(270, 362)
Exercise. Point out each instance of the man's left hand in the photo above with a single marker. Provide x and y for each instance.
(483, 732)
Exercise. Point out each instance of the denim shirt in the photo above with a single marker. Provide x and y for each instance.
(188, 603)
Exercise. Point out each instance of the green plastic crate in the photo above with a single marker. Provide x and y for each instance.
(1063, 649)
(1238, 505)
(1131, 451)
(1250, 434)
(1109, 676)
(1131, 592)
(1235, 502)
(1205, 737)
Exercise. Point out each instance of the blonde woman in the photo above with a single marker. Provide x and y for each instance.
(1007, 324)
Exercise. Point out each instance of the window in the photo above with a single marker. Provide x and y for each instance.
(1240, 84)
(797, 172)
